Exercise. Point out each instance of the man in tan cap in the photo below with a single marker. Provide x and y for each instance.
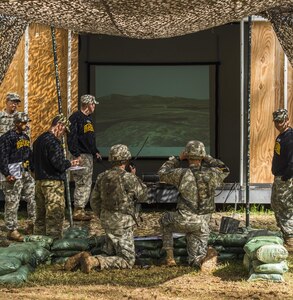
(282, 168)
(82, 146)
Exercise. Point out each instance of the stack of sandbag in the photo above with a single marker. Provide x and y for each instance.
(19, 259)
(75, 240)
(265, 258)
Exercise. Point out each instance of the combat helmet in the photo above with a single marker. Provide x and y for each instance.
(21, 117)
(280, 115)
(119, 152)
(195, 150)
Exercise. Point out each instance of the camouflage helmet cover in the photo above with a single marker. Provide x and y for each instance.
(13, 97)
(280, 115)
(119, 152)
(87, 99)
(21, 117)
(63, 120)
(195, 150)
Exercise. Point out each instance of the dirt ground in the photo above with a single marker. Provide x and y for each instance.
(228, 281)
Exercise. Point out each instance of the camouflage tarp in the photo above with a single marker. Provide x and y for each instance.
(137, 19)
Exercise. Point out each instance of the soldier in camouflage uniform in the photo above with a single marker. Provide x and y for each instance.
(282, 168)
(113, 200)
(15, 149)
(195, 205)
(50, 162)
(82, 145)
(6, 123)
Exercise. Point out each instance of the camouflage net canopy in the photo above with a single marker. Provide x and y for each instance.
(146, 19)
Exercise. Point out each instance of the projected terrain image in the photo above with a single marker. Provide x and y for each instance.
(168, 122)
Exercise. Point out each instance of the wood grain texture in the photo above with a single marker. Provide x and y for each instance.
(266, 96)
(290, 93)
(74, 73)
(14, 77)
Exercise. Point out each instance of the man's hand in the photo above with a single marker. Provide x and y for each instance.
(98, 155)
(10, 178)
(74, 162)
(132, 169)
(182, 155)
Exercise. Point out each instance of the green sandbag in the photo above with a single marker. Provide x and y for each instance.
(180, 252)
(141, 243)
(147, 261)
(247, 262)
(16, 277)
(96, 251)
(26, 256)
(75, 232)
(59, 260)
(222, 249)
(271, 253)
(96, 241)
(180, 242)
(227, 239)
(151, 253)
(277, 268)
(45, 241)
(265, 277)
(9, 265)
(228, 256)
(181, 260)
(64, 253)
(252, 245)
(70, 244)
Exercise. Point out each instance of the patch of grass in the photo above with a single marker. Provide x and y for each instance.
(136, 277)
(254, 209)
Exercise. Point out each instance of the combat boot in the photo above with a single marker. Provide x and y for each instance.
(73, 262)
(29, 228)
(289, 244)
(170, 261)
(209, 263)
(87, 263)
(80, 215)
(14, 235)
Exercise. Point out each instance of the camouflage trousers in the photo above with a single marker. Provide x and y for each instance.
(50, 208)
(119, 249)
(196, 228)
(282, 205)
(83, 181)
(13, 191)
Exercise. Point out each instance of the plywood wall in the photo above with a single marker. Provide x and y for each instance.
(42, 92)
(267, 95)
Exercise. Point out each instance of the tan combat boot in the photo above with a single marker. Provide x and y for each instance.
(88, 263)
(29, 228)
(14, 235)
(80, 215)
(209, 263)
(170, 261)
(289, 244)
(73, 262)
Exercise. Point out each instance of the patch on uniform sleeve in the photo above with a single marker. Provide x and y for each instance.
(278, 148)
(88, 127)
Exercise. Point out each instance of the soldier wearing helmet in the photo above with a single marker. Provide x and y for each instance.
(195, 204)
(50, 166)
(15, 165)
(282, 169)
(113, 200)
(82, 146)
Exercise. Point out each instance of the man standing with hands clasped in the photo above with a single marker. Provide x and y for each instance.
(282, 169)
(82, 145)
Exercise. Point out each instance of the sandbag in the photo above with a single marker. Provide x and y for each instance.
(9, 265)
(45, 241)
(75, 232)
(277, 268)
(96, 241)
(96, 251)
(271, 253)
(64, 253)
(264, 277)
(223, 249)
(59, 260)
(247, 262)
(151, 253)
(16, 277)
(26, 256)
(228, 239)
(147, 243)
(70, 244)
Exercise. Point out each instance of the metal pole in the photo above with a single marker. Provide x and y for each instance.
(67, 189)
(285, 81)
(26, 62)
(247, 206)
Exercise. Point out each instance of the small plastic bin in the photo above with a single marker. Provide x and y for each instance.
(229, 225)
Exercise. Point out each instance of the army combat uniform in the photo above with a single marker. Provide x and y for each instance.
(15, 148)
(282, 190)
(113, 201)
(195, 204)
(82, 142)
(48, 156)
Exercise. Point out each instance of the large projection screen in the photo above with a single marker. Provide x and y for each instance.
(167, 105)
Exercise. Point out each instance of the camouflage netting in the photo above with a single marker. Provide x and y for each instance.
(138, 19)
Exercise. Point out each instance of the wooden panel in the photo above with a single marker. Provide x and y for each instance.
(290, 93)
(266, 96)
(14, 77)
(74, 73)
(43, 104)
